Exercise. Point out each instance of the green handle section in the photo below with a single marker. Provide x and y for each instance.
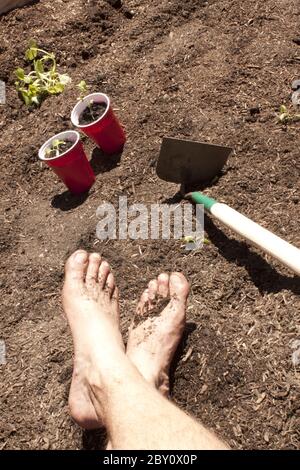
(200, 198)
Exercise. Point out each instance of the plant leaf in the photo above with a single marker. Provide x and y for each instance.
(20, 74)
(38, 66)
(32, 51)
(188, 239)
(283, 117)
(82, 86)
(27, 79)
(26, 98)
(282, 109)
(35, 100)
(56, 89)
(33, 89)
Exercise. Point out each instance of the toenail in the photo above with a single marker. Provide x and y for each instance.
(164, 277)
(178, 275)
(105, 265)
(80, 256)
(95, 257)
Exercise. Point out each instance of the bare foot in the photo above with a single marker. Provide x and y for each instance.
(90, 301)
(152, 344)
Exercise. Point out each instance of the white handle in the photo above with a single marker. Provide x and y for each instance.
(259, 236)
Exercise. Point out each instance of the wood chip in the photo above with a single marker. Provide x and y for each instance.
(261, 398)
(203, 389)
(188, 354)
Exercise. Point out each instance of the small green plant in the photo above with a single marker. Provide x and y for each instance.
(188, 239)
(43, 79)
(83, 88)
(193, 242)
(285, 116)
(55, 149)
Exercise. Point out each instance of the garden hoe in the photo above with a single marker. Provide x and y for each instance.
(195, 163)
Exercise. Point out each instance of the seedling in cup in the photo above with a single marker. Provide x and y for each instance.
(57, 148)
(64, 153)
(94, 110)
(93, 115)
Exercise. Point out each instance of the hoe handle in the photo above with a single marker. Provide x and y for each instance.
(270, 243)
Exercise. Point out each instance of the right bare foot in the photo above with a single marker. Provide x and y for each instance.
(152, 344)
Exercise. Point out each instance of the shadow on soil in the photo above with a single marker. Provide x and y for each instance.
(263, 275)
(94, 440)
(67, 201)
(189, 328)
(101, 162)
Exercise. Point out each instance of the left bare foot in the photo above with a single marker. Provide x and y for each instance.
(90, 301)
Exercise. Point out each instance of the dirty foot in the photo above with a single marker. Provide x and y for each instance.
(152, 343)
(90, 301)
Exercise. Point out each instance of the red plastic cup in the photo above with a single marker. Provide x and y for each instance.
(106, 132)
(72, 167)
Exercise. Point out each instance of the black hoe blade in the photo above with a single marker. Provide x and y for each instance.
(188, 162)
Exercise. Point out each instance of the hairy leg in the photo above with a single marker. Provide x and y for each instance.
(136, 415)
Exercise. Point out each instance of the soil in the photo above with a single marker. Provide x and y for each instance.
(92, 113)
(181, 68)
(62, 149)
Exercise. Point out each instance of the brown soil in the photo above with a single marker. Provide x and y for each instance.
(182, 68)
(92, 113)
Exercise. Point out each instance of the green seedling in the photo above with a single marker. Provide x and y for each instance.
(83, 88)
(190, 242)
(43, 79)
(285, 116)
(55, 149)
(189, 239)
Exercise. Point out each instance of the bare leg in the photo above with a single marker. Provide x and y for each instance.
(89, 288)
(81, 407)
(136, 415)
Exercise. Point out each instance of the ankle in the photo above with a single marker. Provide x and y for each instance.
(108, 372)
(159, 381)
